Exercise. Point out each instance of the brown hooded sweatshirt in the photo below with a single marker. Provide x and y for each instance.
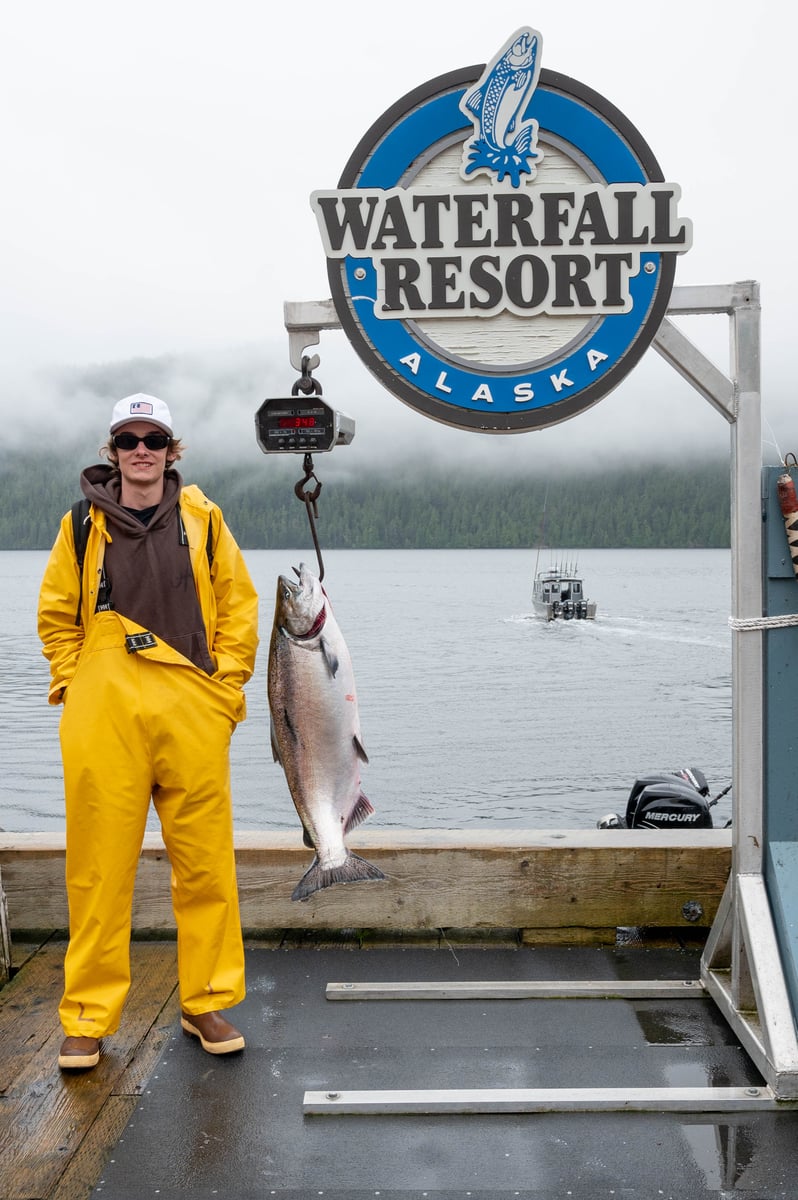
(148, 566)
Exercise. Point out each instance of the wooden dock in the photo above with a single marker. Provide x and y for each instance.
(56, 1129)
(456, 888)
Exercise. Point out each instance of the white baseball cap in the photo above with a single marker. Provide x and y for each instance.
(141, 408)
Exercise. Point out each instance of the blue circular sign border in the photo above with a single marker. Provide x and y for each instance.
(380, 160)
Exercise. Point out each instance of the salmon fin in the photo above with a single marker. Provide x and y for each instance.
(353, 870)
(289, 728)
(329, 657)
(363, 809)
(359, 751)
(275, 747)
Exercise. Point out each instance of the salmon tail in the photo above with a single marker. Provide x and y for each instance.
(362, 810)
(353, 870)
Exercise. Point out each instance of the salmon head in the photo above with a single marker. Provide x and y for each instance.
(300, 607)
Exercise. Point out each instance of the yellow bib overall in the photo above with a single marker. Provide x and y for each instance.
(137, 726)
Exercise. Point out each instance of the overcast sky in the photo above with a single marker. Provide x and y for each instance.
(158, 159)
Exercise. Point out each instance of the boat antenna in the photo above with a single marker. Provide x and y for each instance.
(542, 537)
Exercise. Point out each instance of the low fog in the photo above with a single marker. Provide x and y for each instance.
(653, 416)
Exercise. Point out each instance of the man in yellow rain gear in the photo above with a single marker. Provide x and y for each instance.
(149, 645)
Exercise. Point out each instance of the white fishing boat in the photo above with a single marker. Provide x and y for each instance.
(559, 594)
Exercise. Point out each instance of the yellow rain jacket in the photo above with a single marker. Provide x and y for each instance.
(227, 598)
(145, 726)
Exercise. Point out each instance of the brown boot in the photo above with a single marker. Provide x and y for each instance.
(79, 1053)
(216, 1034)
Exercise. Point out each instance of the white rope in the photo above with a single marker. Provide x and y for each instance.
(743, 624)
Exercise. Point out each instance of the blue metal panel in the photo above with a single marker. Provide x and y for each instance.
(781, 877)
(780, 765)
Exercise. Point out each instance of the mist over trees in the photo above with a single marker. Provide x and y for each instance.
(638, 473)
(641, 506)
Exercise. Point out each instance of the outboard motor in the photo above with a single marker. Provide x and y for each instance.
(666, 800)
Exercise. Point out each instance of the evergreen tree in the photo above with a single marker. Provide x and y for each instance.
(644, 506)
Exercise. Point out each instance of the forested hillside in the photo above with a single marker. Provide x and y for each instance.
(654, 506)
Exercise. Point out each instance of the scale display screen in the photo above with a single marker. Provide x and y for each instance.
(301, 422)
(296, 425)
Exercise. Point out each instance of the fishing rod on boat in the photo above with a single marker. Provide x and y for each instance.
(542, 537)
(303, 423)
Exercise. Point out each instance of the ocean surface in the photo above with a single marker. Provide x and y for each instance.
(475, 713)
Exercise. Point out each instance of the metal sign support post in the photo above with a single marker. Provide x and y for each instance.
(742, 966)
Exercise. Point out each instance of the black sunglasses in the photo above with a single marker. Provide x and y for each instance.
(153, 441)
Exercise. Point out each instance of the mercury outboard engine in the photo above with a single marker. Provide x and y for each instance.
(666, 800)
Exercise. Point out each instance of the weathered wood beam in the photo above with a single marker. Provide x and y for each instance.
(542, 880)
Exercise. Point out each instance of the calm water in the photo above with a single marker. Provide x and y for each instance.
(474, 713)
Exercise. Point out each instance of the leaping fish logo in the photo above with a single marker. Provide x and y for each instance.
(505, 143)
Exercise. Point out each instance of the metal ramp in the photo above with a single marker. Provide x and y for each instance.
(749, 962)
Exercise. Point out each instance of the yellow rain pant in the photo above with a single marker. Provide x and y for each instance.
(134, 727)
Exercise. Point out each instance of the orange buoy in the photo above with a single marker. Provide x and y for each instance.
(788, 503)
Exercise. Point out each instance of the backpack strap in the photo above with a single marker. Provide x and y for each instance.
(209, 543)
(183, 536)
(80, 535)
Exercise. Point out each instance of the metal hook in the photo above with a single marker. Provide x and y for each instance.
(309, 497)
(306, 383)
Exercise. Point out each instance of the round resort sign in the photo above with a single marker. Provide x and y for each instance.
(501, 245)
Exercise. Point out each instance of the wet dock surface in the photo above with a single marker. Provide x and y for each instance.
(191, 1125)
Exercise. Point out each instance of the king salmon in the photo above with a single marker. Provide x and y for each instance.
(315, 730)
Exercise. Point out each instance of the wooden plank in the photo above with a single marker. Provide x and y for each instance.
(570, 935)
(86, 1166)
(437, 879)
(29, 1012)
(22, 950)
(84, 1169)
(45, 1114)
(5, 937)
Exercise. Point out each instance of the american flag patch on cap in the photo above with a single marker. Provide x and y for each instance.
(141, 407)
